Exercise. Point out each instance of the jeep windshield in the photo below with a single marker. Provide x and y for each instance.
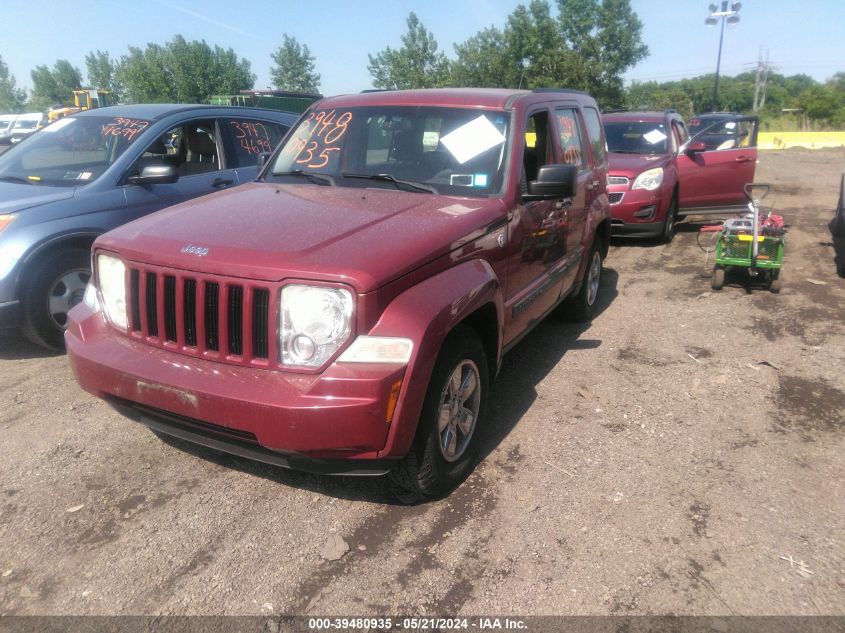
(451, 151)
(70, 152)
(635, 137)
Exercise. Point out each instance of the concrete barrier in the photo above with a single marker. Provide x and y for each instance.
(810, 140)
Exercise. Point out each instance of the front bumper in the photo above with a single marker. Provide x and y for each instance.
(640, 213)
(334, 422)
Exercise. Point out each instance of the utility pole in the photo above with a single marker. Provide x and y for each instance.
(766, 68)
(761, 80)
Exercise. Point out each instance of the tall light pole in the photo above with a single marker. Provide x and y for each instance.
(721, 11)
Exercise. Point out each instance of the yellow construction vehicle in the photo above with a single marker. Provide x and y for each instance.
(82, 100)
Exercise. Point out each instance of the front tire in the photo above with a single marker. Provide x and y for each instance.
(777, 282)
(55, 285)
(670, 225)
(446, 443)
(718, 281)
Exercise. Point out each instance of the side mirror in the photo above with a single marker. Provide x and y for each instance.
(696, 147)
(155, 175)
(553, 182)
(263, 157)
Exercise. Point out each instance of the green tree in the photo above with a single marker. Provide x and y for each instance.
(52, 87)
(102, 73)
(12, 98)
(181, 72)
(481, 61)
(293, 67)
(417, 64)
(145, 75)
(606, 37)
(820, 102)
(536, 53)
(588, 45)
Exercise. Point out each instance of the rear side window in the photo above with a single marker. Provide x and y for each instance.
(594, 132)
(249, 137)
(570, 134)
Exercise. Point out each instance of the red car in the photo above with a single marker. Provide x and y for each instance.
(348, 311)
(657, 173)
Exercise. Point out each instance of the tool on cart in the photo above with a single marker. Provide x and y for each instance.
(753, 242)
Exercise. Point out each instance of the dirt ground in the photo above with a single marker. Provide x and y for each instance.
(681, 455)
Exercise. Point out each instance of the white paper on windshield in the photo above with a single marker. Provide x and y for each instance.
(730, 125)
(654, 137)
(471, 139)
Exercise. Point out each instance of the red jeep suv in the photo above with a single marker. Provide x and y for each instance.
(657, 173)
(348, 311)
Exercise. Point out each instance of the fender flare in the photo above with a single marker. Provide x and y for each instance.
(426, 313)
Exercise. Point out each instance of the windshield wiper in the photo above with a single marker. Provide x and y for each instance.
(312, 176)
(396, 181)
(16, 179)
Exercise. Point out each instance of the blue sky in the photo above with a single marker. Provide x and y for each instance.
(801, 37)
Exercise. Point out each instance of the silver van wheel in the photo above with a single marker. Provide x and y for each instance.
(64, 293)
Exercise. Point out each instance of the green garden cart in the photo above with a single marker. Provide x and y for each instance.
(753, 243)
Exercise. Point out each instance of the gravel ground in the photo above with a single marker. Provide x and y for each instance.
(681, 455)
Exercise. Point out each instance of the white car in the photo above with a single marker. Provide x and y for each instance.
(26, 124)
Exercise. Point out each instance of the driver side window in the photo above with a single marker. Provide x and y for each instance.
(538, 145)
(190, 147)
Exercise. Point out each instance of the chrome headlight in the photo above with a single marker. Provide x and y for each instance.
(111, 274)
(649, 180)
(314, 322)
(90, 297)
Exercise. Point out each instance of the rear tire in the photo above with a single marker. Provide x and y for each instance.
(582, 306)
(718, 280)
(54, 286)
(445, 445)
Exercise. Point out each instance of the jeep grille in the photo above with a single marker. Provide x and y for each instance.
(198, 315)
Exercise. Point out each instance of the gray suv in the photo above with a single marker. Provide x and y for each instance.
(88, 173)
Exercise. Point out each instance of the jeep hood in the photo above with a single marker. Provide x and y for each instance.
(270, 231)
(18, 196)
(631, 165)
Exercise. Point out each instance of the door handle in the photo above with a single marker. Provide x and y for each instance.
(221, 182)
(743, 159)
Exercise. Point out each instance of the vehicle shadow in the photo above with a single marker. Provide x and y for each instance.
(513, 394)
(15, 346)
(530, 362)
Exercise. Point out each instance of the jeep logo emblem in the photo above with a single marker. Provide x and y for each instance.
(199, 251)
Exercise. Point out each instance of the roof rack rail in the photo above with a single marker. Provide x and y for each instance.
(612, 110)
(375, 90)
(566, 90)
